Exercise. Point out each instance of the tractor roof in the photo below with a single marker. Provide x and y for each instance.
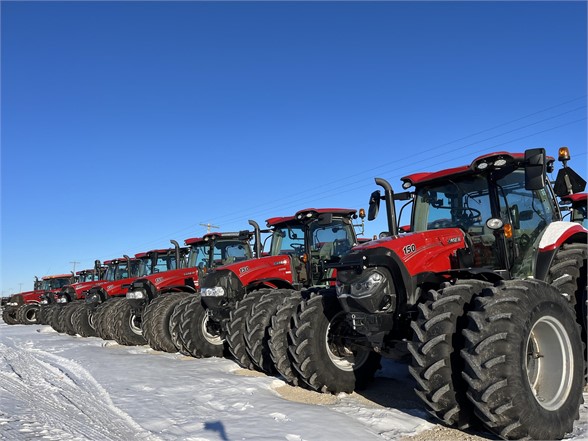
(57, 276)
(473, 168)
(274, 221)
(86, 271)
(214, 236)
(146, 253)
(120, 259)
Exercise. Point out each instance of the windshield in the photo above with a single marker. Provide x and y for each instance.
(463, 203)
(332, 240)
(50, 284)
(229, 251)
(199, 255)
(86, 277)
(286, 240)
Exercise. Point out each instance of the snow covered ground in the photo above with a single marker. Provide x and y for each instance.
(58, 387)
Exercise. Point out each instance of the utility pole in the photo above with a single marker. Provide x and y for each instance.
(74, 266)
(209, 226)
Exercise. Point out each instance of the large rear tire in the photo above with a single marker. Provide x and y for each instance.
(319, 350)
(80, 320)
(257, 325)
(65, 317)
(236, 328)
(55, 318)
(101, 318)
(28, 314)
(524, 360)
(437, 342)
(156, 318)
(126, 325)
(200, 337)
(281, 324)
(174, 323)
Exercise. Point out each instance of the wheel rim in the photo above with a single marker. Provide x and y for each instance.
(214, 339)
(31, 314)
(549, 363)
(135, 324)
(341, 356)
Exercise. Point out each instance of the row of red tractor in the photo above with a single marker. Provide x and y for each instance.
(484, 293)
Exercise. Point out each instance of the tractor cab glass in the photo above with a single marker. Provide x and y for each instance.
(459, 203)
(199, 255)
(287, 240)
(528, 212)
(164, 262)
(332, 240)
(229, 251)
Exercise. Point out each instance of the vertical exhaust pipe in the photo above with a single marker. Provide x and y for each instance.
(257, 234)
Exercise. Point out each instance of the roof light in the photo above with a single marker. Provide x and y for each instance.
(500, 162)
(563, 154)
(406, 184)
(482, 166)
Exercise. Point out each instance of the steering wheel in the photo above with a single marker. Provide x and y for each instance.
(524, 241)
(298, 247)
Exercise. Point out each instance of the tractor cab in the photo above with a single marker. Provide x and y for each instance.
(313, 238)
(501, 204)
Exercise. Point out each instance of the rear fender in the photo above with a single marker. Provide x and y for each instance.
(554, 236)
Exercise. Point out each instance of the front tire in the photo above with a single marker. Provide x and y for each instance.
(236, 328)
(126, 325)
(80, 320)
(320, 354)
(281, 324)
(524, 360)
(156, 318)
(9, 316)
(199, 336)
(257, 325)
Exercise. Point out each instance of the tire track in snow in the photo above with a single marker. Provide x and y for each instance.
(44, 395)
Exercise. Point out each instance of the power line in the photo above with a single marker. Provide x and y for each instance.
(347, 182)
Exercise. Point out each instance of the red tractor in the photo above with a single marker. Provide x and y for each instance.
(87, 316)
(24, 307)
(301, 246)
(59, 307)
(480, 289)
(144, 316)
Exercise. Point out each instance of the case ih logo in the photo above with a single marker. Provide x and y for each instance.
(159, 279)
(244, 270)
(454, 240)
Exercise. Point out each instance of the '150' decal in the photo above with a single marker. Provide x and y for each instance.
(409, 249)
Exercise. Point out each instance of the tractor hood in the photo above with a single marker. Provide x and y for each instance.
(433, 250)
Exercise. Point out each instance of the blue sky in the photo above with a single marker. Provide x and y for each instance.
(126, 124)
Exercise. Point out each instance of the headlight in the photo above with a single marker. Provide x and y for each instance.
(365, 286)
(12, 304)
(61, 300)
(138, 294)
(217, 291)
(44, 302)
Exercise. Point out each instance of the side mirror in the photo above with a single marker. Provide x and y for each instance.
(568, 182)
(374, 207)
(535, 169)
